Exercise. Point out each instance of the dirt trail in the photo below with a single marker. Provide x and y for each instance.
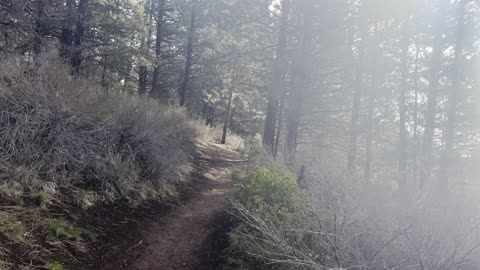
(177, 239)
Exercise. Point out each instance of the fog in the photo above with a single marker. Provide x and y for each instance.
(374, 105)
(383, 111)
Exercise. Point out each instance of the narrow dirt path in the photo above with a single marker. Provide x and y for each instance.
(176, 239)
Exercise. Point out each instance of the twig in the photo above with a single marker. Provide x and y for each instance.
(139, 243)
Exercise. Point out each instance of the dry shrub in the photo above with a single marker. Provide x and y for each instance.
(364, 226)
(68, 133)
(156, 141)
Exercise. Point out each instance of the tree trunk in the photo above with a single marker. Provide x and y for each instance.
(188, 64)
(449, 134)
(279, 125)
(402, 100)
(142, 80)
(277, 84)
(127, 77)
(39, 26)
(151, 14)
(229, 111)
(371, 106)
(158, 49)
(210, 118)
(78, 35)
(145, 45)
(302, 67)
(354, 129)
(104, 82)
(68, 29)
(205, 111)
(415, 112)
(435, 67)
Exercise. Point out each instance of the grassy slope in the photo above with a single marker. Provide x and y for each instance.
(72, 156)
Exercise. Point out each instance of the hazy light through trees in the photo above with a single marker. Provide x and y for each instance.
(375, 102)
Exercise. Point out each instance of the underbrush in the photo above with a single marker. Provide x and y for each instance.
(270, 207)
(58, 133)
(67, 148)
(345, 225)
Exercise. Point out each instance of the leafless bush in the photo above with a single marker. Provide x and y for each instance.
(61, 131)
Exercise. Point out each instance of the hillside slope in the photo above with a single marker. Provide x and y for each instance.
(76, 162)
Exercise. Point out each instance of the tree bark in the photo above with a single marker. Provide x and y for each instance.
(279, 125)
(210, 118)
(127, 77)
(449, 134)
(229, 111)
(301, 67)
(78, 35)
(415, 112)
(39, 26)
(430, 115)
(402, 100)
(158, 49)
(358, 89)
(142, 80)
(68, 28)
(371, 106)
(277, 85)
(103, 81)
(188, 64)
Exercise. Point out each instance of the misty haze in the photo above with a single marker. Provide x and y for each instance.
(240, 134)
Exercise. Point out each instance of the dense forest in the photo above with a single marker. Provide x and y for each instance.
(380, 84)
(370, 107)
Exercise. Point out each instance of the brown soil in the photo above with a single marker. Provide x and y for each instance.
(159, 238)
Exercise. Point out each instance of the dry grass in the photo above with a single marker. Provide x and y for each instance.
(60, 133)
(66, 145)
(233, 140)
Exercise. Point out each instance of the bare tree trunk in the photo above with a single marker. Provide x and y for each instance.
(371, 106)
(354, 129)
(103, 81)
(188, 64)
(127, 77)
(142, 80)
(279, 124)
(151, 14)
(402, 100)
(449, 134)
(229, 111)
(301, 69)
(39, 26)
(158, 49)
(369, 140)
(210, 118)
(78, 35)
(277, 83)
(68, 29)
(145, 45)
(415, 112)
(430, 115)
(205, 110)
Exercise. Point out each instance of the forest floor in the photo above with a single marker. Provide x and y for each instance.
(190, 235)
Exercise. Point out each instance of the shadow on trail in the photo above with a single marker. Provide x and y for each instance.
(192, 236)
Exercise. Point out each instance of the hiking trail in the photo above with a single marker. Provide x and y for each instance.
(177, 239)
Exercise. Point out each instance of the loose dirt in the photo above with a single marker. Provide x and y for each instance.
(182, 237)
